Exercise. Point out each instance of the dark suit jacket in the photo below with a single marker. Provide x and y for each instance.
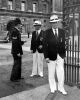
(16, 42)
(52, 47)
(36, 42)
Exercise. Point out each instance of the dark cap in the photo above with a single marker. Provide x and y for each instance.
(17, 21)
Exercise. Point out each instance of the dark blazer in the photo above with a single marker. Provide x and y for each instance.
(36, 42)
(53, 46)
(16, 42)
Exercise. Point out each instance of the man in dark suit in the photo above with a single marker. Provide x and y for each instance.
(54, 53)
(16, 51)
(37, 49)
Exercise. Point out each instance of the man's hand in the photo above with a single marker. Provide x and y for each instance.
(24, 41)
(40, 46)
(19, 55)
(47, 60)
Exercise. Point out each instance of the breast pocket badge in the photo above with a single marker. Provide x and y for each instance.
(61, 40)
(40, 46)
(41, 38)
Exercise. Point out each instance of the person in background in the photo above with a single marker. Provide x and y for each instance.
(37, 49)
(16, 51)
(54, 53)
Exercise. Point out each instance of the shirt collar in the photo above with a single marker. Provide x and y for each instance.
(39, 31)
(54, 30)
(17, 28)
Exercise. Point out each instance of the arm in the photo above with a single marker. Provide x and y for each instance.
(45, 44)
(32, 41)
(20, 43)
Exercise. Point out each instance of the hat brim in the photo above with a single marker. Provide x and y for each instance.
(53, 21)
(37, 24)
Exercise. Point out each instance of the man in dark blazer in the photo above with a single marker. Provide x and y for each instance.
(54, 53)
(16, 51)
(37, 49)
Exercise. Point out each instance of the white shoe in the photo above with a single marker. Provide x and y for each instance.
(31, 75)
(41, 75)
(53, 91)
(62, 91)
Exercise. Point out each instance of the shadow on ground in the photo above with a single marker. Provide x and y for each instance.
(51, 96)
(6, 86)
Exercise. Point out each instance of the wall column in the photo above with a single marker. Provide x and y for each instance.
(57, 6)
(53, 6)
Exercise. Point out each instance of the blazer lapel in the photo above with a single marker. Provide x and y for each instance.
(58, 32)
(34, 35)
(52, 33)
(60, 35)
(39, 34)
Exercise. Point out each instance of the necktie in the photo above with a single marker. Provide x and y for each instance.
(36, 35)
(56, 34)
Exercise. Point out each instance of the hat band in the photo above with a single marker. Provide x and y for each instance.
(54, 19)
(37, 24)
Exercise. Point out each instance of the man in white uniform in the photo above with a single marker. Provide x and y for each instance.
(54, 53)
(37, 49)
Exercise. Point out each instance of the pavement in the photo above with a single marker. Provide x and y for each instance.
(41, 92)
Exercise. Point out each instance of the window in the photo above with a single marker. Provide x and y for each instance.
(23, 6)
(44, 21)
(44, 8)
(10, 4)
(34, 7)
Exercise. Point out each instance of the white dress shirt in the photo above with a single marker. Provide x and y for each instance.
(54, 31)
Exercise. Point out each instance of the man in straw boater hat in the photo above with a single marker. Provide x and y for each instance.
(54, 53)
(37, 49)
(16, 50)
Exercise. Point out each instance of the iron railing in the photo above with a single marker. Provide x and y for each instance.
(72, 64)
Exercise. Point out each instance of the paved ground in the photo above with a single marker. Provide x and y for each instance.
(30, 88)
(5, 71)
(43, 93)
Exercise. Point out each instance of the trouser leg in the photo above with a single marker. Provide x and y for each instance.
(40, 63)
(34, 69)
(60, 72)
(51, 75)
(16, 70)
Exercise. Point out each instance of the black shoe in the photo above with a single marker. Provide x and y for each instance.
(22, 78)
(14, 80)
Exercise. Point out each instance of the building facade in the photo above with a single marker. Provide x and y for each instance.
(27, 10)
(57, 6)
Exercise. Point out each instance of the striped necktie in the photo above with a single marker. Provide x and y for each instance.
(36, 34)
(56, 34)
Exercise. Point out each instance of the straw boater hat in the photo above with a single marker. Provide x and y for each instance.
(37, 23)
(54, 18)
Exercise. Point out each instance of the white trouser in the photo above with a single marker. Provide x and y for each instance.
(58, 67)
(37, 63)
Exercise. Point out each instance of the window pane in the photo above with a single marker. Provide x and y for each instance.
(23, 6)
(34, 7)
(10, 4)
